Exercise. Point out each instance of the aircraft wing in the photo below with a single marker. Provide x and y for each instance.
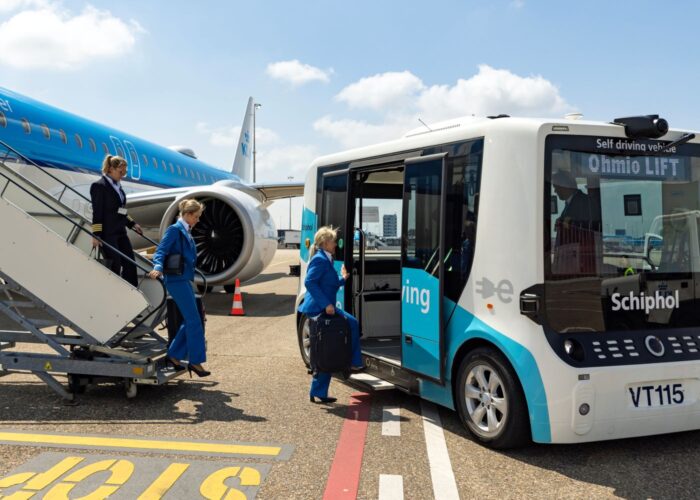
(273, 191)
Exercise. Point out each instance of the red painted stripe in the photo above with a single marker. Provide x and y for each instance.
(344, 477)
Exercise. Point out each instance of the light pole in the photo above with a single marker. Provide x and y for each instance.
(289, 178)
(255, 107)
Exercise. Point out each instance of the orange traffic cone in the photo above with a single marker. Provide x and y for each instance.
(237, 306)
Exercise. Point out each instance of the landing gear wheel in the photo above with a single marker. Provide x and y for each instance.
(304, 337)
(490, 401)
(229, 288)
(130, 388)
(202, 288)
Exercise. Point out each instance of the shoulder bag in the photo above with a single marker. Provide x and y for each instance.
(175, 262)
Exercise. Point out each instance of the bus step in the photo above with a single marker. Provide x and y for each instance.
(376, 384)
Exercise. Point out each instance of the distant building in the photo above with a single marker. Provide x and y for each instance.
(389, 226)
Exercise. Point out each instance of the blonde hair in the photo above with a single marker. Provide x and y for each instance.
(111, 162)
(323, 235)
(190, 206)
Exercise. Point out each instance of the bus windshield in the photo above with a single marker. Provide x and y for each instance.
(622, 247)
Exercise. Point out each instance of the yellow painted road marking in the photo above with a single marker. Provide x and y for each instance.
(141, 444)
(165, 481)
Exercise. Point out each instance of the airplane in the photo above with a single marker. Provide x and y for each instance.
(236, 237)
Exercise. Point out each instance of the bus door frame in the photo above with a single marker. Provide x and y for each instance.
(408, 338)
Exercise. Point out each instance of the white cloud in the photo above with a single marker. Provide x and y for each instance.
(50, 37)
(391, 89)
(297, 73)
(403, 98)
(228, 136)
(11, 5)
(356, 133)
(278, 163)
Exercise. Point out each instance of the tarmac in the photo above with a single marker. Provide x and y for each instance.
(256, 400)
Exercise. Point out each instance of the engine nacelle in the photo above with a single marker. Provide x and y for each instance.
(235, 237)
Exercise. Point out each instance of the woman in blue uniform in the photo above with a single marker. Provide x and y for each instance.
(322, 283)
(189, 341)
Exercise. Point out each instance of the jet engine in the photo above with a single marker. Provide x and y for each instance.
(235, 237)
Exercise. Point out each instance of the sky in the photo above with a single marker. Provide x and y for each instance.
(332, 75)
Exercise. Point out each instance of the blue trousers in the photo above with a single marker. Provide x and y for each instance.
(322, 380)
(189, 342)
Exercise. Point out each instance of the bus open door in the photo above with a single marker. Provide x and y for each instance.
(422, 267)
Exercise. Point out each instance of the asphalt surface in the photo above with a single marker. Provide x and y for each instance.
(258, 393)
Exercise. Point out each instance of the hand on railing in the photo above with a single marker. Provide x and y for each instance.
(96, 243)
(154, 275)
(138, 229)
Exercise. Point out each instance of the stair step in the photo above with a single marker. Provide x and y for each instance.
(375, 383)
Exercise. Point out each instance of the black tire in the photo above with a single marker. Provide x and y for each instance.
(502, 421)
(303, 339)
(230, 288)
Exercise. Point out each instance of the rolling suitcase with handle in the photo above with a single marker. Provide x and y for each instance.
(330, 344)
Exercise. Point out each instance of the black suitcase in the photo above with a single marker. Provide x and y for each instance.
(330, 344)
(174, 318)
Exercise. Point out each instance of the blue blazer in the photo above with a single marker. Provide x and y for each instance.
(322, 283)
(176, 240)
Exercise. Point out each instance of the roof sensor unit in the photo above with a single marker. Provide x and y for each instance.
(646, 126)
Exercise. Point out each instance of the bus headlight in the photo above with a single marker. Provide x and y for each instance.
(574, 349)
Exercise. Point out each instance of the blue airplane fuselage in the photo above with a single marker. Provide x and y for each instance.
(57, 139)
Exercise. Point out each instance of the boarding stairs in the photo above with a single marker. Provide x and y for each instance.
(93, 324)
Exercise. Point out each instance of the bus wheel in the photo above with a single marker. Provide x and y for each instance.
(304, 335)
(490, 400)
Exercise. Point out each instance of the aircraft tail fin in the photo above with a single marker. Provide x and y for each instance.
(243, 162)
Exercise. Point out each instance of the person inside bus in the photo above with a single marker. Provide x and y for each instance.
(322, 283)
(574, 246)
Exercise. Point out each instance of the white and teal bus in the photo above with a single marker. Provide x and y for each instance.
(537, 276)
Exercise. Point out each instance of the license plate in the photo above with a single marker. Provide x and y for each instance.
(655, 395)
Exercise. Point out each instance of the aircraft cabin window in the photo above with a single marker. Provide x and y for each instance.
(179, 170)
(26, 126)
(145, 160)
(199, 178)
(184, 169)
(172, 168)
(3, 120)
(155, 162)
(93, 146)
(105, 148)
(64, 137)
(45, 130)
(78, 141)
(165, 167)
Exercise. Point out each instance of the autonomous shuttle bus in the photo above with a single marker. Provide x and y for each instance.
(540, 277)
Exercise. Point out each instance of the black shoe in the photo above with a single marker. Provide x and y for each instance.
(201, 372)
(176, 366)
(322, 400)
(357, 369)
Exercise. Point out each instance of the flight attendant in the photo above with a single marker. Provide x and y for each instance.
(110, 218)
(188, 343)
(322, 283)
